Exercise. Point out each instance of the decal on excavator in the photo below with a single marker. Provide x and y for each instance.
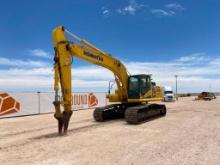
(8, 104)
(93, 56)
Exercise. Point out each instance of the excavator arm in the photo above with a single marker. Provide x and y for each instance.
(64, 52)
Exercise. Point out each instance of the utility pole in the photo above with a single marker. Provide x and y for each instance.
(38, 93)
(210, 87)
(176, 76)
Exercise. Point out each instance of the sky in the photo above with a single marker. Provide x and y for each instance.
(159, 37)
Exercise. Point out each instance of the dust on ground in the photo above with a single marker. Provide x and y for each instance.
(189, 134)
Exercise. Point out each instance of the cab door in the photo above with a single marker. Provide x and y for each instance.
(133, 87)
(145, 86)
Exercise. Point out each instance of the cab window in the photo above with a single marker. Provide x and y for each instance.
(133, 84)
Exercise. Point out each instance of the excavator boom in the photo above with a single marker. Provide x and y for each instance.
(64, 52)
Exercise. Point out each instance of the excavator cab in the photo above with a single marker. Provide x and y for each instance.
(138, 86)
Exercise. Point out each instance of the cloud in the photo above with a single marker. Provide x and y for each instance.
(92, 73)
(196, 57)
(174, 6)
(105, 12)
(215, 62)
(196, 72)
(39, 53)
(170, 9)
(22, 72)
(34, 79)
(21, 63)
(161, 12)
(131, 8)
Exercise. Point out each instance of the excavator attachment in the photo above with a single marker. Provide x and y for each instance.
(62, 118)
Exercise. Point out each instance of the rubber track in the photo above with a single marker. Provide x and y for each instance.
(98, 114)
(101, 114)
(131, 115)
(138, 114)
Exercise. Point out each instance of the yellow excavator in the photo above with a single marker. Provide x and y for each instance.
(131, 98)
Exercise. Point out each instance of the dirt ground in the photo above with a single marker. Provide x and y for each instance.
(189, 134)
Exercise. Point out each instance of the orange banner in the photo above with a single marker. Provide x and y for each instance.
(8, 104)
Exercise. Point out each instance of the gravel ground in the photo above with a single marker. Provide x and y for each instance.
(189, 134)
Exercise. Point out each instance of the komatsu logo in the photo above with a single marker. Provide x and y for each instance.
(93, 56)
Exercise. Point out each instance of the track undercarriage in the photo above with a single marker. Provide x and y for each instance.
(133, 113)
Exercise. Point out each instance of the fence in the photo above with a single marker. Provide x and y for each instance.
(41, 102)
